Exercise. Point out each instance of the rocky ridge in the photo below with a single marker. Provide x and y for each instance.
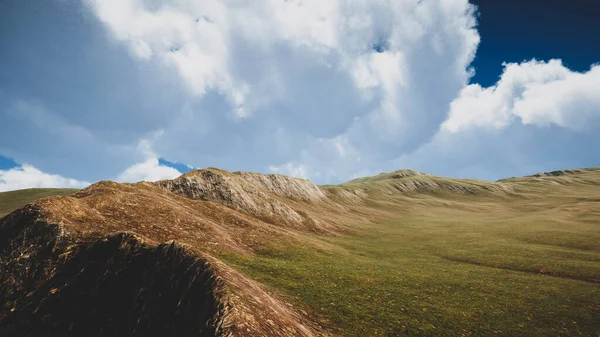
(408, 181)
(257, 194)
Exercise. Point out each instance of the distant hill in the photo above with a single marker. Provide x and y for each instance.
(10, 201)
(218, 253)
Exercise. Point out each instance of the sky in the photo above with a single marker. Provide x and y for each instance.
(132, 90)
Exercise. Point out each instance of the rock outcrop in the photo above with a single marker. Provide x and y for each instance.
(557, 173)
(269, 197)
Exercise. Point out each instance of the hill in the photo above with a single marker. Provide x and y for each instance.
(9, 201)
(216, 253)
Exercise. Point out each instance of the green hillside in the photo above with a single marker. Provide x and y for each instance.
(421, 255)
(9, 201)
(521, 263)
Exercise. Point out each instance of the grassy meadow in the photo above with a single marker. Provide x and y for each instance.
(525, 263)
(9, 201)
(452, 266)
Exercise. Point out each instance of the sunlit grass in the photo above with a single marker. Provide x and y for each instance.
(9, 201)
(525, 263)
(445, 272)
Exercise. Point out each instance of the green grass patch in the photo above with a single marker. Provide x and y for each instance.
(12, 200)
(452, 273)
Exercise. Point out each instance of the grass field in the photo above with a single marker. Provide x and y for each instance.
(9, 201)
(524, 266)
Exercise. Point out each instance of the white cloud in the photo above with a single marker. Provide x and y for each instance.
(377, 74)
(291, 169)
(27, 176)
(321, 89)
(238, 48)
(149, 170)
(342, 158)
(535, 92)
(503, 130)
(527, 96)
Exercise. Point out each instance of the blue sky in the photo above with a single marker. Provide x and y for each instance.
(136, 90)
(516, 31)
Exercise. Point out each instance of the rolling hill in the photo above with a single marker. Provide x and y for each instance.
(9, 201)
(218, 253)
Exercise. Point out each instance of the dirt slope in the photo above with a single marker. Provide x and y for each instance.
(135, 259)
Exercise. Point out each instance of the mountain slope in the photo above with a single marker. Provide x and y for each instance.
(215, 253)
(55, 249)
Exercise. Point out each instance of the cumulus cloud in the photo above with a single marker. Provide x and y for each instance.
(379, 74)
(290, 169)
(539, 116)
(321, 89)
(535, 92)
(27, 176)
(247, 50)
(343, 160)
(149, 170)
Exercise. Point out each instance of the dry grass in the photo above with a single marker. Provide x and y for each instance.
(410, 254)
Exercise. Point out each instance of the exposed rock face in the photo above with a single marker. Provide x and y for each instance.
(284, 186)
(557, 173)
(431, 186)
(256, 194)
(406, 173)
